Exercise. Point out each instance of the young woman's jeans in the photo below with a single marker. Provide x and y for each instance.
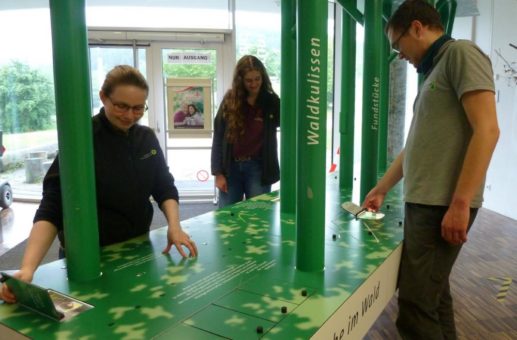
(244, 181)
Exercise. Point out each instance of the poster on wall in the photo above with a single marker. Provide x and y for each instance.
(189, 107)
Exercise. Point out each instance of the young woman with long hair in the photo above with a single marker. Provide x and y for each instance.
(244, 147)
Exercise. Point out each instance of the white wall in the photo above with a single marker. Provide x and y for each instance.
(462, 28)
(494, 31)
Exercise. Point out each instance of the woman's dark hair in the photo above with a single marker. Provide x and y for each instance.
(123, 75)
(411, 10)
(193, 106)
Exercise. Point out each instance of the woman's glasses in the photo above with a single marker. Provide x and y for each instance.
(123, 107)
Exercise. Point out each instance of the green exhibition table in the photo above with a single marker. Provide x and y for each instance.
(243, 285)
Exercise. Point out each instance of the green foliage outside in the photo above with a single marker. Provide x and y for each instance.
(26, 99)
(270, 57)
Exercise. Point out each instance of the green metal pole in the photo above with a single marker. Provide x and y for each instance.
(288, 109)
(312, 16)
(385, 90)
(385, 94)
(447, 10)
(420, 76)
(371, 94)
(73, 104)
(350, 6)
(347, 116)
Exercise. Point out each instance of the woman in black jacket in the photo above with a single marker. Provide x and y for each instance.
(129, 168)
(244, 148)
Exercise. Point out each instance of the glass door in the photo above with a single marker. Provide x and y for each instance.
(188, 92)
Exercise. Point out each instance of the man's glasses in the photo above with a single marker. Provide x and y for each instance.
(123, 107)
(395, 45)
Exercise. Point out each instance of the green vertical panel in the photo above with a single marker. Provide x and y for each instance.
(288, 109)
(73, 104)
(371, 94)
(312, 118)
(385, 92)
(347, 117)
(386, 59)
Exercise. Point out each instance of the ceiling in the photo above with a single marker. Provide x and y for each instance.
(263, 5)
(465, 7)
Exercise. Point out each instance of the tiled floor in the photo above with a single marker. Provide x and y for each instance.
(15, 224)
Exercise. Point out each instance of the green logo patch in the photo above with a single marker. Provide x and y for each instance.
(151, 153)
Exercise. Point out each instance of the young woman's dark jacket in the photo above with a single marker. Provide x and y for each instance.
(222, 149)
(129, 168)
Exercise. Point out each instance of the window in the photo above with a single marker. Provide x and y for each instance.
(27, 107)
(258, 32)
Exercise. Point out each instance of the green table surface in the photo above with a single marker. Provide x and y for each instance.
(243, 285)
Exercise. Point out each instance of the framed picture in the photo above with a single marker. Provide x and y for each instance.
(189, 107)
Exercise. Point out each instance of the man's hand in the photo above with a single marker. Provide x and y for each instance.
(178, 238)
(374, 199)
(455, 224)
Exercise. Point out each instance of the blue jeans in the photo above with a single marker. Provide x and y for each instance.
(244, 181)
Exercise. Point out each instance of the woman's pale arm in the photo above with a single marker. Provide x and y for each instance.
(175, 234)
(41, 237)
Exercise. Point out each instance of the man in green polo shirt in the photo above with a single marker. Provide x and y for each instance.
(444, 162)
